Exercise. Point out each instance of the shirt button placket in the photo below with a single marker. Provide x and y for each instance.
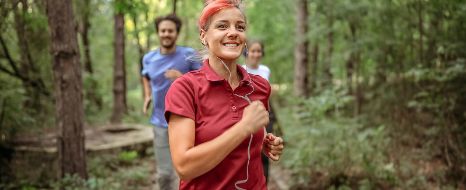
(234, 108)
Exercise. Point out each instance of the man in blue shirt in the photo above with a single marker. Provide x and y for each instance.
(160, 68)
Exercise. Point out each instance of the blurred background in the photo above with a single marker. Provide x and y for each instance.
(368, 94)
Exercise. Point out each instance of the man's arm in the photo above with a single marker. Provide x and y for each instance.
(147, 93)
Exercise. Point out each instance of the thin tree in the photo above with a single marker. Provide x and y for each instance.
(84, 14)
(34, 84)
(330, 41)
(84, 28)
(136, 8)
(421, 30)
(301, 57)
(68, 88)
(119, 71)
(313, 84)
(174, 7)
(353, 66)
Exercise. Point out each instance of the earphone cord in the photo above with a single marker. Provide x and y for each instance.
(245, 97)
(247, 168)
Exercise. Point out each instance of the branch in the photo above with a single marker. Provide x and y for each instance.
(8, 72)
(9, 58)
(2, 111)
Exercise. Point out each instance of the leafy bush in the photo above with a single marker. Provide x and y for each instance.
(340, 150)
(128, 156)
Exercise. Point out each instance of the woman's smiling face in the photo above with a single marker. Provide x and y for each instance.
(226, 34)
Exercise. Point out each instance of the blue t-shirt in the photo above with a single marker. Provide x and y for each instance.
(154, 65)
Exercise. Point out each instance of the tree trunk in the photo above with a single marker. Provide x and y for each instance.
(146, 18)
(301, 49)
(434, 31)
(358, 89)
(119, 72)
(85, 26)
(314, 67)
(68, 88)
(328, 63)
(352, 67)
(421, 32)
(174, 7)
(351, 59)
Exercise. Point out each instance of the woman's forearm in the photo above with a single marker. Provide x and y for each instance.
(194, 161)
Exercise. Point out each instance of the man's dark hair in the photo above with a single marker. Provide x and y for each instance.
(170, 17)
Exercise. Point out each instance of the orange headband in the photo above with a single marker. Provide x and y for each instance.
(212, 7)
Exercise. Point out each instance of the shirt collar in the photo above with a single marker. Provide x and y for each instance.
(211, 75)
(159, 50)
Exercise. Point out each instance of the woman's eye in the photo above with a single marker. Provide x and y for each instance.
(222, 26)
(241, 28)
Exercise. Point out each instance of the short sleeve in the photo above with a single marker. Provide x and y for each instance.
(180, 99)
(144, 70)
(196, 65)
(193, 59)
(266, 71)
(263, 87)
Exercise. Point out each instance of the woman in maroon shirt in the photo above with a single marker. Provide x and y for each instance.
(216, 115)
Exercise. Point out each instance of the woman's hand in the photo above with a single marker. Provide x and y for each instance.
(255, 117)
(273, 146)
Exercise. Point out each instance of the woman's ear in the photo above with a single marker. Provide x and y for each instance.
(202, 38)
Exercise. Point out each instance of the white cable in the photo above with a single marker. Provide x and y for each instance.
(247, 168)
(245, 97)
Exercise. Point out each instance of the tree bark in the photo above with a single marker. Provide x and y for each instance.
(68, 88)
(119, 72)
(301, 49)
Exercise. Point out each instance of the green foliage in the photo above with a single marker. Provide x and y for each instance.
(263, 16)
(439, 93)
(70, 182)
(128, 156)
(321, 141)
(106, 172)
(135, 115)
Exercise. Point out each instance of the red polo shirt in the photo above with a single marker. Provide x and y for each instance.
(208, 99)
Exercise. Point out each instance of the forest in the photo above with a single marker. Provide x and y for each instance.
(367, 94)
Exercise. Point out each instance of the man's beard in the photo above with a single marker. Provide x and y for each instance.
(169, 45)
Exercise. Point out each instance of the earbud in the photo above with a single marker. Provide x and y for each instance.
(246, 49)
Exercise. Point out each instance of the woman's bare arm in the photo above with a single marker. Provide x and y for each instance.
(192, 161)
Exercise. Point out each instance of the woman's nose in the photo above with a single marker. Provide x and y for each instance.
(232, 32)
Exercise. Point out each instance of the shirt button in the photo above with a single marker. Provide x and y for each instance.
(233, 108)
